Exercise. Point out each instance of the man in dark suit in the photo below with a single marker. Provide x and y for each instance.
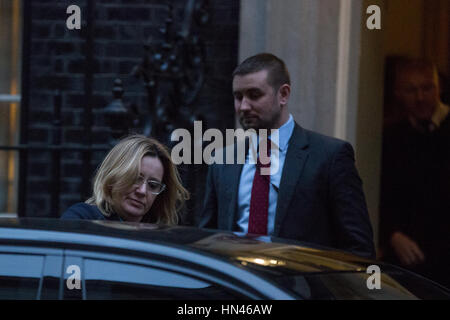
(315, 195)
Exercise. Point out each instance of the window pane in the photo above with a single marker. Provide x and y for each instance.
(8, 177)
(10, 57)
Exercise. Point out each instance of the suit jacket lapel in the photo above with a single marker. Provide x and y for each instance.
(296, 156)
(231, 176)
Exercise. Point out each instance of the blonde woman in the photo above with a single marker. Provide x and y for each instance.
(136, 182)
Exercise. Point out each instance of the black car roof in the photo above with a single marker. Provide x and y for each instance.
(263, 252)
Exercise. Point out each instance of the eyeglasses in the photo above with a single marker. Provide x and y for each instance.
(155, 187)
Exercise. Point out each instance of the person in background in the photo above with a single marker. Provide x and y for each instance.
(136, 182)
(415, 182)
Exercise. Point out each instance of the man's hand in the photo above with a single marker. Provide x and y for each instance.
(406, 249)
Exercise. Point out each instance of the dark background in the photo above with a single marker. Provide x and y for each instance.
(81, 66)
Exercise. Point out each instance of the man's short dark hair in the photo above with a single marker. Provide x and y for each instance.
(277, 71)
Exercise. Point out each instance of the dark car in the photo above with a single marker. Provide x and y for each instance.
(54, 259)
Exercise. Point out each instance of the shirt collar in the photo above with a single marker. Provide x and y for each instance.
(285, 133)
(437, 118)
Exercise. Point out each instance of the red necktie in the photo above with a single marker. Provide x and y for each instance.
(259, 202)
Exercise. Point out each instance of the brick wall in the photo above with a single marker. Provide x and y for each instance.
(57, 60)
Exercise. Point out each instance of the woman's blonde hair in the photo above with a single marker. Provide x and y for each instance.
(120, 169)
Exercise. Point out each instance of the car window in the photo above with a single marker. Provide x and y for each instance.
(353, 286)
(421, 287)
(20, 275)
(118, 280)
(345, 286)
(51, 278)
